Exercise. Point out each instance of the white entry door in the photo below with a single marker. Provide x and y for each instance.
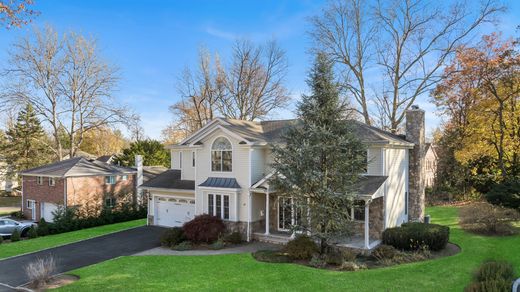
(47, 210)
(173, 212)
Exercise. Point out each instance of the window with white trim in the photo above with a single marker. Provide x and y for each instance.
(30, 204)
(218, 205)
(110, 180)
(221, 155)
(193, 159)
(39, 180)
(124, 177)
(110, 202)
(52, 181)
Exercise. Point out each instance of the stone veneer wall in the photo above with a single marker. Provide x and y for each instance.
(376, 221)
(415, 133)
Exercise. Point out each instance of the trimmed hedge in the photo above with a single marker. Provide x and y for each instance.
(172, 236)
(414, 235)
(204, 229)
(301, 248)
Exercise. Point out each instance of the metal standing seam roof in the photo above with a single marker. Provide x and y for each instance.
(170, 179)
(78, 166)
(221, 182)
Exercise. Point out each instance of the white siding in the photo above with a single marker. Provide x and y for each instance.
(175, 159)
(240, 171)
(258, 170)
(187, 171)
(396, 168)
(375, 161)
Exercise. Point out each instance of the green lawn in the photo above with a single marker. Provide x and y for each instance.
(25, 246)
(242, 272)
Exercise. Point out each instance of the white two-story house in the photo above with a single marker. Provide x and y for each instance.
(223, 169)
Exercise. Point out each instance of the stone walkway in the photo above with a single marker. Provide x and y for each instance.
(245, 248)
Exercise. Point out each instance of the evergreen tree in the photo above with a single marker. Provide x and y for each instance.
(24, 146)
(153, 153)
(321, 160)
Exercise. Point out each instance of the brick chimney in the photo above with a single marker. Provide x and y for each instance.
(415, 134)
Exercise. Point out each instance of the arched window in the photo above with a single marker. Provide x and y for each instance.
(221, 155)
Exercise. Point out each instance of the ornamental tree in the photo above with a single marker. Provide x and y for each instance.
(321, 159)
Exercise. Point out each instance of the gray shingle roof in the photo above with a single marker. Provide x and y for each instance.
(170, 179)
(78, 166)
(273, 131)
(150, 172)
(368, 185)
(220, 182)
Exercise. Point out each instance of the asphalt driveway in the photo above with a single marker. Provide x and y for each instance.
(91, 251)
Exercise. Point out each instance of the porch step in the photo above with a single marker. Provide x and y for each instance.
(271, 238)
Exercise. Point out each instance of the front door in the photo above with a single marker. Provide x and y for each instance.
(287, 214)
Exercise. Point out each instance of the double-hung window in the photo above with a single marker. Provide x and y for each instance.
(193, 159)
(218, 205)
(39, 180)
(52, 182)
(110, 180)
(221, 155)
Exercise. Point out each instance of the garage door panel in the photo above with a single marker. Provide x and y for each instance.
(173, 212)
(47, 210)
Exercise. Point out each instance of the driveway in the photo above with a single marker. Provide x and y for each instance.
(91, 251)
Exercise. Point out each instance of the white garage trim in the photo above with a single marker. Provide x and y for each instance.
(172, 211)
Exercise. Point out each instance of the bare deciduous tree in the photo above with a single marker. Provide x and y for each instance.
(345, 33)
(15, 13)
(68, 84)
(254, 81)
(412, 39)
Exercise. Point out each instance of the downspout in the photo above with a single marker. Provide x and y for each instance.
(249, 201)
(65, 192)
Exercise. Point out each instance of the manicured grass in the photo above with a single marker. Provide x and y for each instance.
(242, 272)
(32, 245)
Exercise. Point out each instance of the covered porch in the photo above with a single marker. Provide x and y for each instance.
(278, 216)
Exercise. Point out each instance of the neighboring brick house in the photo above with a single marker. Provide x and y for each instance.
(88, 184)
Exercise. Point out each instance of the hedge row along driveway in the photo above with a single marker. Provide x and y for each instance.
(242, 272)
(32, 245)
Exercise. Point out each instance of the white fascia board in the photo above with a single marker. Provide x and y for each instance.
(165, 189)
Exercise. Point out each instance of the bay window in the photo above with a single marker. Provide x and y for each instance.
(218, 205)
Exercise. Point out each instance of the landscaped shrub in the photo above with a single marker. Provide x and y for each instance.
(15, 236)
(352, 266)
(172, 236)
(219, 244)
(32, 233)
(233, 238)
(318, 261)
(302, 247)
(506, 194)
(384, 252)
(414, 235)
(336, 256)
(43, 228)
(484, 218)
(18, 215)
(204, 229)
(40, 271)
(270, 256)
(1, 239)
(185, 245)
(492, 276)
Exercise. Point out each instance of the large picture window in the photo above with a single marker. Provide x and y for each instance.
(218, 205)
(221, 155)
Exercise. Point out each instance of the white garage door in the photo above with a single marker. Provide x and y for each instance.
(47, 209)
(173, 211)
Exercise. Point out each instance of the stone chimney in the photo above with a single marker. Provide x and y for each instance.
(415, 134)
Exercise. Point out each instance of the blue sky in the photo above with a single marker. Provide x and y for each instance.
(152, 41)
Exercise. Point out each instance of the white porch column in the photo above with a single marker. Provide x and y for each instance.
(367, 225)
(267, 212)
(249, 216)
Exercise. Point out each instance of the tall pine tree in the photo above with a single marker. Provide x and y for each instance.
(321, 160)
(25, 146)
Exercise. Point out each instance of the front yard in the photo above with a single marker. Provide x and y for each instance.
(32, 245)
(242, 272)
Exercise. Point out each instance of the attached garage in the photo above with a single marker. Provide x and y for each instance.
(173, 211)
(47, 210)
